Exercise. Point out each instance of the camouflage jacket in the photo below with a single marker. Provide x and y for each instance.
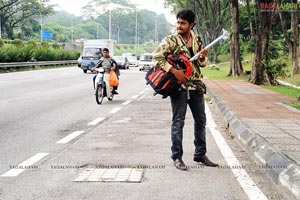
(174, 44)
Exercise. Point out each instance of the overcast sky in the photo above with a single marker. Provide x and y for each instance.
(74, 7)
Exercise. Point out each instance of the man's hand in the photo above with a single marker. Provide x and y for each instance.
(179, 75)
(203, 54)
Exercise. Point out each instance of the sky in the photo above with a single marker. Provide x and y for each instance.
(74, 7)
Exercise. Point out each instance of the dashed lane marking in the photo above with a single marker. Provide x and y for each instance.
(126, 102)
(20, 97)
(70, 137)
(115, 110)
(27, 164)
(135, 96)
(241, 175)
(96, 121)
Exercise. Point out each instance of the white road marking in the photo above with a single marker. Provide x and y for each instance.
(115, 110)
(96, 121)
(142, 92)
(24, 165)
(241, 175)
(70, 137)
(22, 96)
(126, 102)
(135, 96)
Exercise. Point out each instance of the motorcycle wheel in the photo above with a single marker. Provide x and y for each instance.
(99, 94)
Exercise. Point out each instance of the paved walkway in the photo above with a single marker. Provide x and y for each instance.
(266, 128)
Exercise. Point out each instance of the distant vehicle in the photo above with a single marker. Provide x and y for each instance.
(145, 61)
(133, 61)
(128, 54)
(122, 62)
(92, 52)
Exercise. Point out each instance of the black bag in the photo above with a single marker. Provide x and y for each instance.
(162, 82)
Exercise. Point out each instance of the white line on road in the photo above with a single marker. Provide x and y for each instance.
(24, 165)
(96, 121)
(241, 175)
(142, 92)
(126, 102)
(21, 96)
(70, 137)
(115, 110)
(135, 96)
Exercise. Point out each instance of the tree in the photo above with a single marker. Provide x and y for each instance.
(291, 43)
(295, 48)
(259, 74)
(16, 14)
(96, 8)
(236, 68)
(211, 15)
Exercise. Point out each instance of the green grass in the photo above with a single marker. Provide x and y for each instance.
(219, 72)
(294, 80)
(294, 105)
(288, 91)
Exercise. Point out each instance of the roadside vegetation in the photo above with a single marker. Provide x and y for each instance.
(19, 51)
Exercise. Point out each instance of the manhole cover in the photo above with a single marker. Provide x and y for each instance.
(111, 175)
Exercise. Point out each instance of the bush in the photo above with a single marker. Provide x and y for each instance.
(276, 67)
(17, 41)
(251, 46)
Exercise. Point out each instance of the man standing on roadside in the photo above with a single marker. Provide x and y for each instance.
(186, 42)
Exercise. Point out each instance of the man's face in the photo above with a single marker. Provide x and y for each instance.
(106, 54)
(183, 26)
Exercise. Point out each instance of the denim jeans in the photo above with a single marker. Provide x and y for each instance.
(179, 104)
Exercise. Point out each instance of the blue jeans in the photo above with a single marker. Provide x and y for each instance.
(179, 104)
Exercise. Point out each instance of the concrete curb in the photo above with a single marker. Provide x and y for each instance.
(282, 170)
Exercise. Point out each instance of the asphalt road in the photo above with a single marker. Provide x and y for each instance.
(40, 109)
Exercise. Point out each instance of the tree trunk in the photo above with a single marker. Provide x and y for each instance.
(249, 18)
(259, 74)
(10, 32)
(285, 33)
(295, 46)
(236, 68)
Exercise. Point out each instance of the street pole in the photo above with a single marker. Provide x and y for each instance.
(109, 28)
(136, 27)
(72, 32)
(41, 23)
(156, 36)
(97, 32)
(0, 28)
(118, 32)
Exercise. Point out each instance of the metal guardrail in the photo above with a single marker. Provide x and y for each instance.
(39, 63)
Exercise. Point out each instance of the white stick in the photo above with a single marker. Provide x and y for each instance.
(224, 36)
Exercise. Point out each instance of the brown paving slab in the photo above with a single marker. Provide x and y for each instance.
(248, 100)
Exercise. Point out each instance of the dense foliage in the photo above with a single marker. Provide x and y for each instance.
(19, 51)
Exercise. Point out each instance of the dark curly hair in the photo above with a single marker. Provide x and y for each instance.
(187, 15)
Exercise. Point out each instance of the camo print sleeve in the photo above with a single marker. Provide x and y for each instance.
(163, 49)
(174, 44)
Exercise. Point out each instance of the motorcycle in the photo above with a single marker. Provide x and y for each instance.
(102, 87)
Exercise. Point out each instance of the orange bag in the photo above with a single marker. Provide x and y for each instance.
(113, 79)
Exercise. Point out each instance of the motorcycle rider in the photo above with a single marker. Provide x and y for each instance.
(108, 63)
